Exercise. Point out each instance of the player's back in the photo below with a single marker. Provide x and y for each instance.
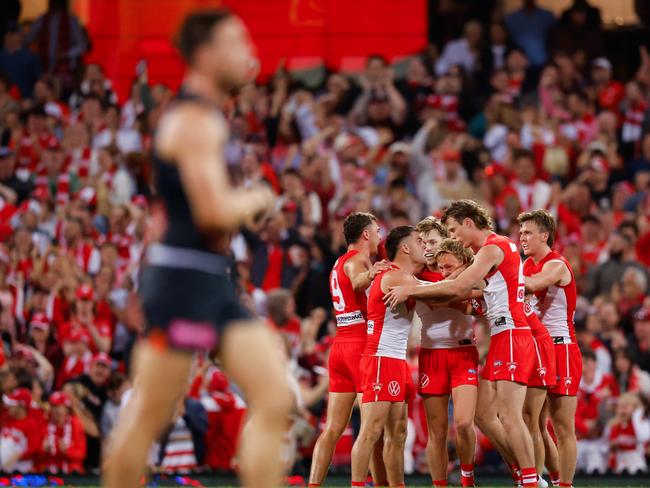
(505, 291)
(181, 230)
(388, 329)
(350, 306)
(556, 304)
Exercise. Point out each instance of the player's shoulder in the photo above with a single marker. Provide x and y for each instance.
(189, 125)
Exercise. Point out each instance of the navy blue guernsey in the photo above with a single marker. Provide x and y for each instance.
(182, 230)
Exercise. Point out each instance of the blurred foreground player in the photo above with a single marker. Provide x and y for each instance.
(349, 280)
(385, 374)
(509, 363)
(188, 299)
(550, 277)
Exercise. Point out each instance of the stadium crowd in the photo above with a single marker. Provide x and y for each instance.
(515, 120)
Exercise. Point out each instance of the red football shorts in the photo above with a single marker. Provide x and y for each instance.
(543, 373)
(343, 365)
(568, 365)
(385, 379)
(511, 356)
(441, 370)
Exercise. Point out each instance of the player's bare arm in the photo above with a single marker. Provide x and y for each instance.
(460, 288)
(194, 137)
(553, 273)
(361, 272)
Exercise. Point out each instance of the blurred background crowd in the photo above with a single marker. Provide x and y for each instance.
(517, 110)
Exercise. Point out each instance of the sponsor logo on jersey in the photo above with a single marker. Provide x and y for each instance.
(393, 388)
(471, 371)
(424, 381)
(500, 321)
(371, 327)
(497, 363)
(521, 294)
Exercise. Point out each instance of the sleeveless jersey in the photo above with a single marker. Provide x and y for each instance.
(556, 305)
(388, 330)
(505, 291)
(350, 307)
(443, 328)
(182, 230)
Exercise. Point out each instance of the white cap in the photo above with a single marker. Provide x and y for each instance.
(603, 63)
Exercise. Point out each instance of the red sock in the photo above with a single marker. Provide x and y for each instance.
(439, 482)
(399, 485)
(529, 477)
(313, 484)
(555, 478)
(567, 485)
(358, 483)
(467, 474)
(516, 473)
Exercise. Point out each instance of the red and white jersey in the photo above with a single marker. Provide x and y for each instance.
(350, 307)
(388, 329)
(443, 328)
(555, 305)
(505, 291)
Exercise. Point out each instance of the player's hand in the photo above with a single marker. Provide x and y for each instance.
(263, 201)
(396, 295)
(377, 268)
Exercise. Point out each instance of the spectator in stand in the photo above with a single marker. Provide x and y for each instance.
(579, 31)
(530, 28)
(608, 91)
(639, 340)
(59, 38)
(595, 396)
(64, 445)
(126, 139)
(20, 435)
(17, 62)
(533, 191)
(628, 434)
(463, 52)
(118, 385)
(629, 376)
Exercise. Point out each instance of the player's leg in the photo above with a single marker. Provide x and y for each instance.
(339, 408)
(377, 464)
(261, 375)
(394, 441)
(563, 412)
(487, 419)
(147, 413)
(464, 398)
(533, 405)
(373, 420)
(511, 397)
(550, 449)
(437, 411)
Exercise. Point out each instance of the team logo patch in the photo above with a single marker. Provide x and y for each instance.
(424, 381)
(376, 387)
(541, 372)
(393, 388)
(371, 327)
(567, 381)
(512, 366)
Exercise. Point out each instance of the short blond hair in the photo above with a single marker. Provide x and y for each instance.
(430, 223)
(456, 249)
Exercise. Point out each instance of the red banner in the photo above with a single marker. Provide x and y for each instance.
(337, 33)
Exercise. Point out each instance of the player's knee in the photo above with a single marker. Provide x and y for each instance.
(464, 426)
(335, 429)
(396, 438)
(564, 430)
(484, 419)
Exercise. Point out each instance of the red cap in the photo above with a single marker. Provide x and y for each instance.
(79, 335)
(140, 201)
(599, 164)
(218, 381)
(18, 397)
(495, 169)
(642, 315)
(41, 193)
(289, 206)
(59, 398)
(40, 321)
(85, 292)
(102, 357)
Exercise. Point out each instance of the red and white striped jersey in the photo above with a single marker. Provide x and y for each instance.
(555, 305)
(388, 329)
(443, 328)
(350, 307)
(505, 291)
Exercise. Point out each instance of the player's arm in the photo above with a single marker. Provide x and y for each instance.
(195, 139)
(361, 272)
(459, 288)
(552, 273)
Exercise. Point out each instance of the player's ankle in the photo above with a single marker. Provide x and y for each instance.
(565, 484)
(555, 478)
(529, 477)
(439, 482)
(467, 474)
(358, 483)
